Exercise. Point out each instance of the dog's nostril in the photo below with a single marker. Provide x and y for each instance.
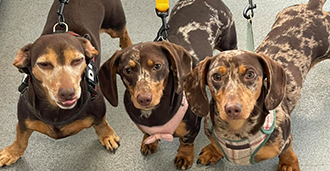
(233, 110)
(144, 99)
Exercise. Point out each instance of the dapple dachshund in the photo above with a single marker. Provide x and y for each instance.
(153, 73)
(56, 101)
(253, 94)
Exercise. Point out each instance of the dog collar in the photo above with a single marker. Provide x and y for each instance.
(243, 151)
(166, 131)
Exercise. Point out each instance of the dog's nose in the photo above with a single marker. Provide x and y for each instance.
(144, 99)
(233, 110)
(66, 93)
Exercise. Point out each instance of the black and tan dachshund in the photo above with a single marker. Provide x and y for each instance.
(57, 101)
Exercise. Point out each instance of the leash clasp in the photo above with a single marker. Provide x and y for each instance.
(162, 11)
(248, 8)
(61, 19)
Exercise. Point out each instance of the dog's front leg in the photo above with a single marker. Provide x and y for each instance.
(288, 160)
(185, 156)
(107, 136)
(12, 153)
(147, 149)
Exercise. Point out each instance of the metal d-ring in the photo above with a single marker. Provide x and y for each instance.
(63, 24)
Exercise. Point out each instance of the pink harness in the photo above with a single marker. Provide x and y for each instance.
(166, 131)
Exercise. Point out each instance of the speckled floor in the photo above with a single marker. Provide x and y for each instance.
(21, 22)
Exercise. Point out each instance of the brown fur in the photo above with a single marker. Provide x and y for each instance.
(280, 64)
(57, 90)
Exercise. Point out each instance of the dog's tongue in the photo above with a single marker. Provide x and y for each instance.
(69, 102)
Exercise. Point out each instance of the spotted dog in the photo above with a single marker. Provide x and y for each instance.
(202, 26)
(253, 94)
(153, 73)
(56, 101)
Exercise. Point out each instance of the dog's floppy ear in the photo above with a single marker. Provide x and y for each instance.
(276, 82)
(89, 49)
(23, 58)
(107, 79)
(180, 61)
(194, 87)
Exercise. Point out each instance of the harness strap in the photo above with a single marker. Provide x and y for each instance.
(244, 151)
(54, 123)
(166, 131)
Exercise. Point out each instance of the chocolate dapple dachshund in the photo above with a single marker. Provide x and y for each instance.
(56, 100)
(153, 74)
(253, 94)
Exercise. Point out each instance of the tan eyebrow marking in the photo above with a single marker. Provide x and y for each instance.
(222, 70)
(132, 63)
(242, 69)
(150, 62)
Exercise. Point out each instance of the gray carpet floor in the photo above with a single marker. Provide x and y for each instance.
(21, 22)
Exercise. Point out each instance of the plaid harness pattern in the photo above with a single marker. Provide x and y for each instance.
(243, 151)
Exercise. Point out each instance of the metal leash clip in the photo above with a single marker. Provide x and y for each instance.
(248, 8)
(61, 20)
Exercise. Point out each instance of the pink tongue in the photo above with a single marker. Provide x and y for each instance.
(69, 102)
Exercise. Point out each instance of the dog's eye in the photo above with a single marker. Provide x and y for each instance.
(127, 71)
(250, 75)
(45, 65)
(157, 66)
(216, 77)
(77, 62)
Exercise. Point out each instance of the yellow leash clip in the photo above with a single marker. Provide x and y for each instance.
(162, 11)
(162, 5)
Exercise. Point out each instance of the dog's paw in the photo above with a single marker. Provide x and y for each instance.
(288, 161)
(209, 155)
(7, 158)
(185, 157)
(110, 142)
(289, 167)
(147, 149)
(183, 162)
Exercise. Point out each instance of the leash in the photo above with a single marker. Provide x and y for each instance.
(162, 8)
(249, 16)
(61, 20)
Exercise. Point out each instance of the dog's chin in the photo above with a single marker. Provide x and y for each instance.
(67, 104)
(236, 124)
